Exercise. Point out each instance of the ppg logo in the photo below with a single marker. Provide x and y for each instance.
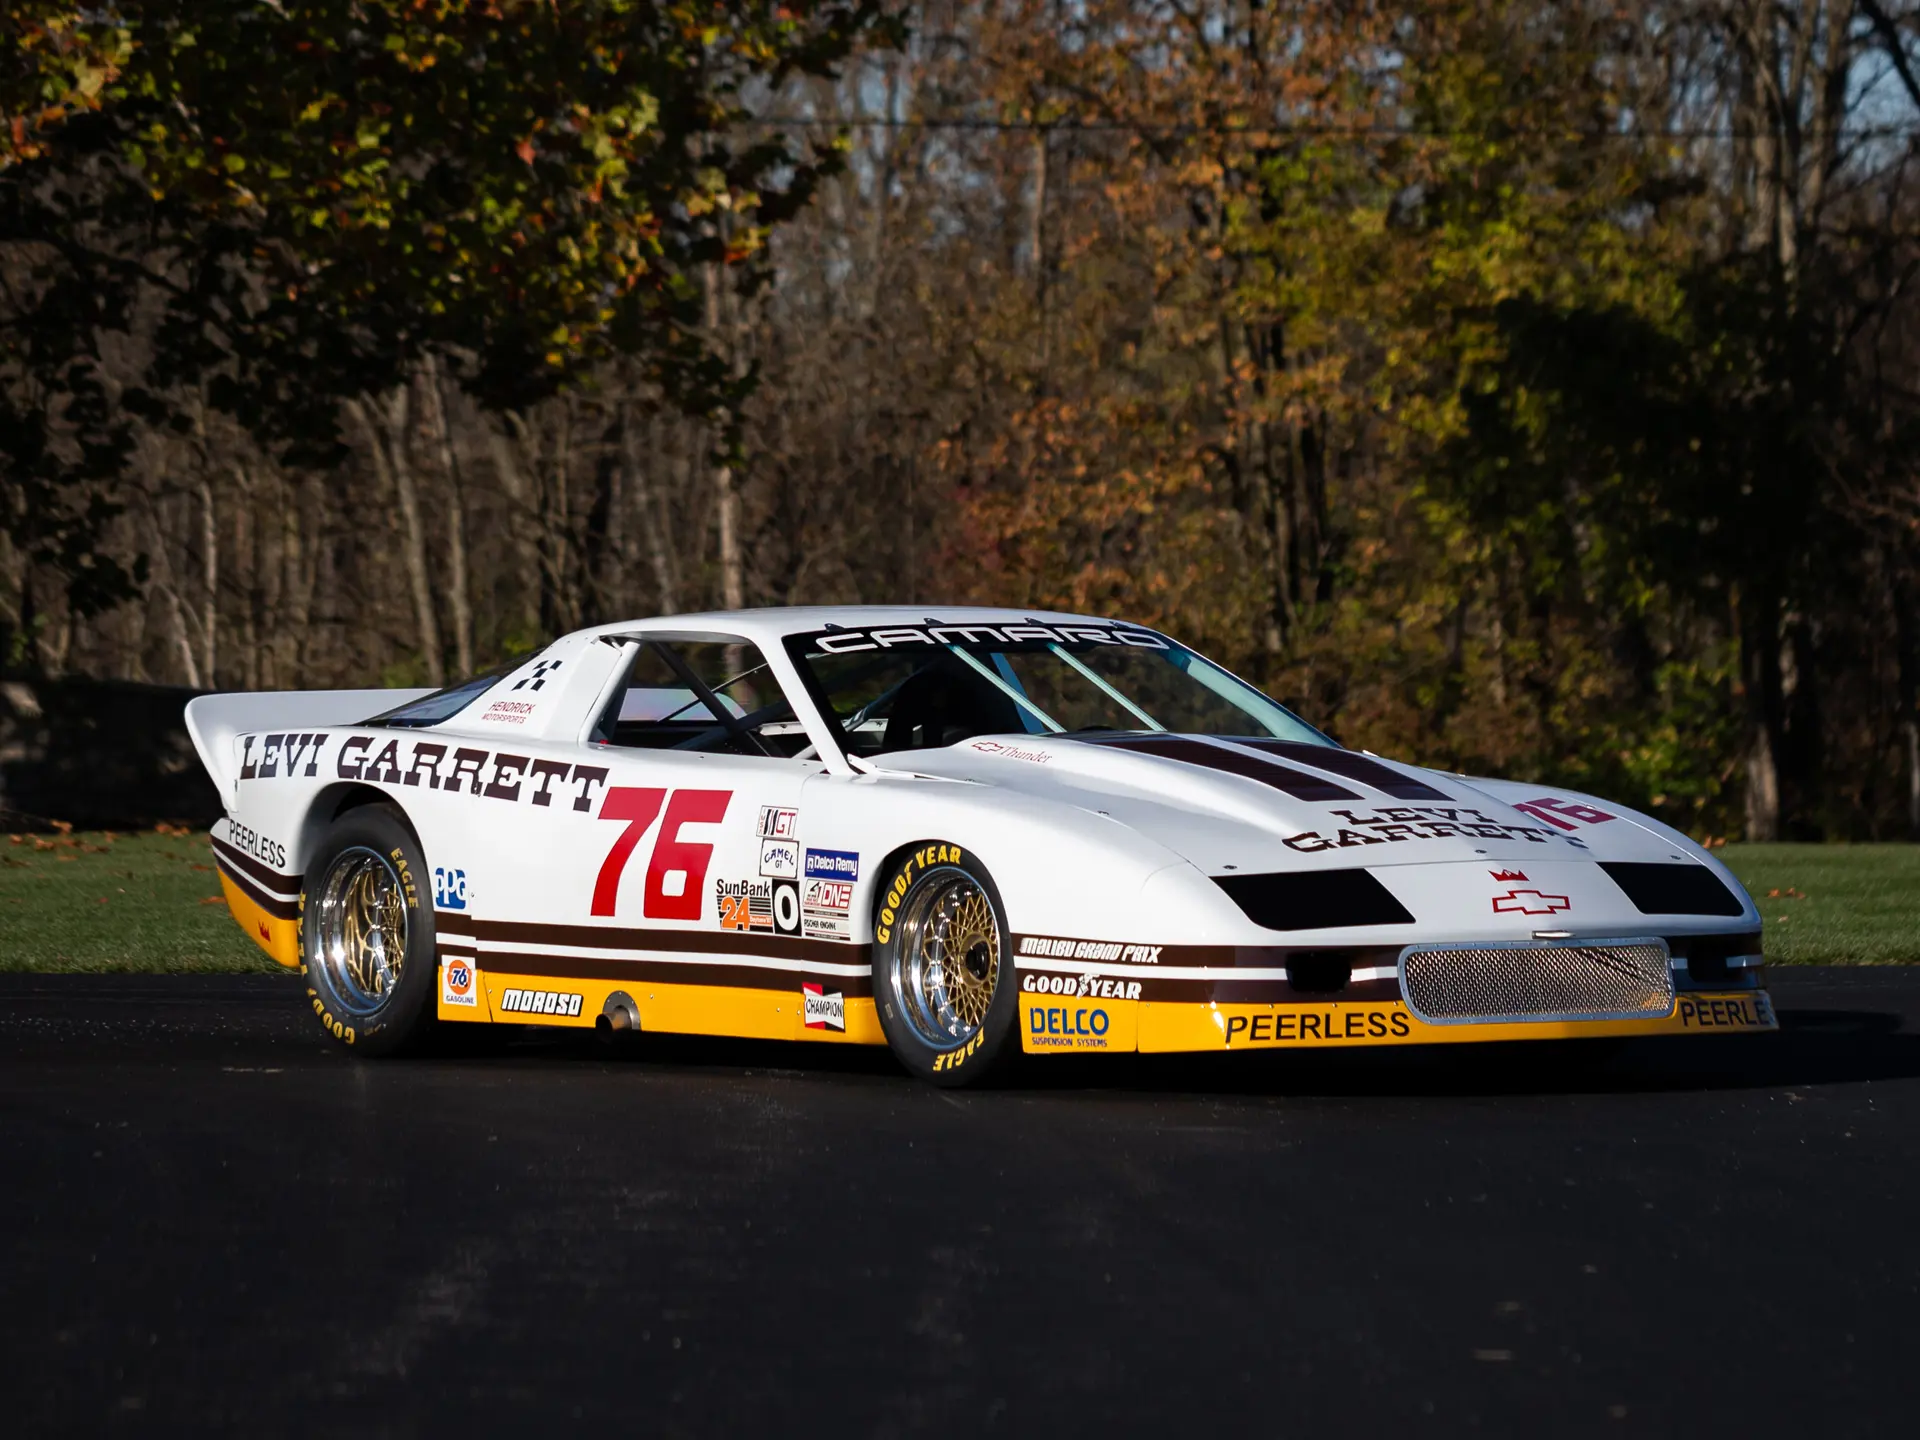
(449, 889)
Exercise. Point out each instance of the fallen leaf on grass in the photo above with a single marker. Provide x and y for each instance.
(1790, 893)
(213, 900)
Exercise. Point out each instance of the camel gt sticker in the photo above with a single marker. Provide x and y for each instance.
(780, 859)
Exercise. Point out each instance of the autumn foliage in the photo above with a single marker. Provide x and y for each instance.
(1524, 388)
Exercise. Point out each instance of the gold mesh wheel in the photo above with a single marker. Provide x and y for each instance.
(361, 929)
(946, 962)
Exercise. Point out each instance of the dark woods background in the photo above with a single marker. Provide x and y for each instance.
(1525, 388)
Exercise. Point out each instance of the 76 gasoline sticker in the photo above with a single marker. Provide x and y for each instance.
(457, 985)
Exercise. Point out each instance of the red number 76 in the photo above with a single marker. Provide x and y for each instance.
(638, 807)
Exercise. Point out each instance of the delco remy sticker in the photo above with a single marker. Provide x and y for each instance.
(457, 985)
(833, 865)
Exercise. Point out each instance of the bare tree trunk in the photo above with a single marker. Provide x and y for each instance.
(210, 582)
(296, 587)
(182, 638)
(556, 610)
(460, 594)
(1756, 623)
(388, 444)
(1906, 625)
(246, 565)
(726, 499)
(656, 513)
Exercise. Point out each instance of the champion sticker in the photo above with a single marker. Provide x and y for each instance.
(823, 1011)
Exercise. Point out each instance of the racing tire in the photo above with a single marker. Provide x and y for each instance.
(366, 940)
(943, 975)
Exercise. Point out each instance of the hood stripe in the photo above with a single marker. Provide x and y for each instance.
(1298, 783)
(1351, 765)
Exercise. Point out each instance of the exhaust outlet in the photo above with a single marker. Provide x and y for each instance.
(619, 1014)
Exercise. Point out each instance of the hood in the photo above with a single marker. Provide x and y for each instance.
(1258, 805)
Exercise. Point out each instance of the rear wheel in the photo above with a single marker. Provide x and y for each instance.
(943, 969)
(366, 941)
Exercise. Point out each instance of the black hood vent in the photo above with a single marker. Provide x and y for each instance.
(1663, 889)
(1314, 899)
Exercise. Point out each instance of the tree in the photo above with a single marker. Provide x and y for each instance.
(295, 203)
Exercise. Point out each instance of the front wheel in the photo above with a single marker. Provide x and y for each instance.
(943, 977)
(366, 941)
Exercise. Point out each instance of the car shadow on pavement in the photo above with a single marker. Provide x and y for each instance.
(1813, 1047)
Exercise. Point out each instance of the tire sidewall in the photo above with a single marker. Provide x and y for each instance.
(409, 1010)
(991, 1046)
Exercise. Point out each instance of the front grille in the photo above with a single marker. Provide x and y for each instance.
(1613, 981)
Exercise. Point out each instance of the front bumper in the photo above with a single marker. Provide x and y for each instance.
(1269, 999)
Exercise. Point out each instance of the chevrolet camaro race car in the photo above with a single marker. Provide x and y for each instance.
(964, 834)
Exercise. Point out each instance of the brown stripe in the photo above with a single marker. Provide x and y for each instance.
(286, 884)
(1236, 992)
(1297, 783)
(1223, 957)
(275, 905)
(1351, 765)
(683, 972)
(619, 937)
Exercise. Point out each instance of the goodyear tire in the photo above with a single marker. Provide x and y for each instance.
(943, 977)
(366, 937)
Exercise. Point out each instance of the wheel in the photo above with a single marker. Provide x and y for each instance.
(366, 941)
(943, 977)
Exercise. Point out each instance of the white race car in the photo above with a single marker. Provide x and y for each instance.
(962, 833)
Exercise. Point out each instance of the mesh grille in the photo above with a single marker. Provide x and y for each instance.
(1538, 982)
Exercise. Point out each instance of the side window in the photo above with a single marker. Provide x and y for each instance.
(712, 695)
(443, 705)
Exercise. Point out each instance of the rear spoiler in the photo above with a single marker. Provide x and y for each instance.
(213, 721)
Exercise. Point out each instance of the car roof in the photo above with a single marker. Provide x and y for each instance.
(773, 623)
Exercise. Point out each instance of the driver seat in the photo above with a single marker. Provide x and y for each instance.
(945, 704)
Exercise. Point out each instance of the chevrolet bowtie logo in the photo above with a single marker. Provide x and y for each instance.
(1529, 902)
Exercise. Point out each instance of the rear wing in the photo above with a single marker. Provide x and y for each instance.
(214, 720)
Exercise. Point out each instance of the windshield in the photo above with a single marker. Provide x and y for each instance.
(919, 688)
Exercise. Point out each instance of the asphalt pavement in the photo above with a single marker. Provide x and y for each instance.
(211, 1218)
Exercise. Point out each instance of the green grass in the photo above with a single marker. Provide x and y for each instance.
(104, 902)
(1834, 904)
(151, 902)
